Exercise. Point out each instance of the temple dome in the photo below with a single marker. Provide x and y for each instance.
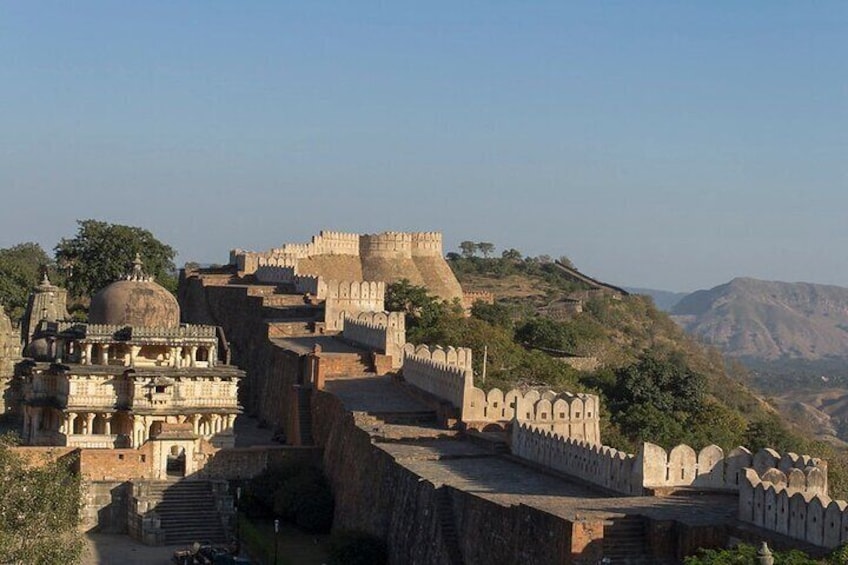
(135, 301)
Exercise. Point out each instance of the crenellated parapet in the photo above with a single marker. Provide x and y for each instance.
(575, 416)
(335, 243)
(427, 244)
(601, 465)
(387, 244)
(350, 297)
(384, 332)
(387, 257)
(794, 503)
(443, 372)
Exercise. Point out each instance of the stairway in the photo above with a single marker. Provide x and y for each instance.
(447, 525)
(187, 511)
(625, 542)
(304, 414)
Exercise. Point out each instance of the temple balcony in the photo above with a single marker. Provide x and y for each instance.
(93, 441)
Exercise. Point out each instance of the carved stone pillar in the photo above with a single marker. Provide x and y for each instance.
(70, 418)
(195, 422)
(231, 421)
(134, 351)
(108, 419)
(89, 423)
(193, 353)
(145, 430)
(86, 356)
(175, 359)
(213, 356)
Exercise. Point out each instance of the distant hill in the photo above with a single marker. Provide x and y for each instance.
(665, 300)
(765, 320)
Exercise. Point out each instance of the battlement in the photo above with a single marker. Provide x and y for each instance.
(443, 372)
(427, 244)
(335, 243)
(575, 416)
(384, 332)
(794, 504)
(387, 257)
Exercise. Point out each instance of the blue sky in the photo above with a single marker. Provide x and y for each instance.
(663, 144)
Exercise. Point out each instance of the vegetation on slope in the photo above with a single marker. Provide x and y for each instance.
(39, 510)
(656, 383)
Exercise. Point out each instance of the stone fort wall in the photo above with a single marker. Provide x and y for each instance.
(375, 493)
(384, 332)
(447, 373)
(442, 372)
(388, 257)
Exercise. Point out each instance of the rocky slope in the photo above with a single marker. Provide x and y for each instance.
(767, 320)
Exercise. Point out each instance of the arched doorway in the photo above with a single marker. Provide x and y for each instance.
(176, 464)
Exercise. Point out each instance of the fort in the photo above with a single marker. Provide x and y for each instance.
(416, 453)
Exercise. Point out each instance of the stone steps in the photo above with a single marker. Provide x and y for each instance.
(283, 300)
(447, 525)
(289, 328)
(625, 542)
(187, 511)
(304, 411)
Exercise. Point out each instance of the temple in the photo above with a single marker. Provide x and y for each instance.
(127, 374)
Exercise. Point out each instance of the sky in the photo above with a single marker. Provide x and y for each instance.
(671, 145)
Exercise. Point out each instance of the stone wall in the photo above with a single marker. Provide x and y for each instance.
(794, 504)
(575, 416)
(653, 469)
(378, 495)
(384, 332)
(247, 462)
(597, 464)
(105, 506)
(442, 372)
(386, 257)
(350, 298)
(117, 464)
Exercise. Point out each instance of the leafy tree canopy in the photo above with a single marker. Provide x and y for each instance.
(39, 510)
(101, 253)
(20, 270)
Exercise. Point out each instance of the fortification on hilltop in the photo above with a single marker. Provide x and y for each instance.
(387, 257)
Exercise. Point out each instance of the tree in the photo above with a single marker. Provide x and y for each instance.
(486, 248)
(468, 248)
(566, 261)
(21, 269)
(101, 253)
(422, 310)
(512, 255)
(39, 510)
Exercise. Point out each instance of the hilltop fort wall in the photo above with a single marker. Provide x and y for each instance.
(447, 373)
(387, 257)
(384, 332)
(443, 372)
(794, 503)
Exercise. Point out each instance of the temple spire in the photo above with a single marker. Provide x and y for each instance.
(137, 273)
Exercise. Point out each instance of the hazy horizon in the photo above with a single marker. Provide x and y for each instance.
(658, 145)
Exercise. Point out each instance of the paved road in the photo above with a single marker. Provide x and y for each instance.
(117, 549)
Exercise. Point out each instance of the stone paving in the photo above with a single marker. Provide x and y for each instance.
(304, 344)
(118, 549)
(374, 395)
(445, 458)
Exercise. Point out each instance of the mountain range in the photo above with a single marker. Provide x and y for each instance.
(767, 320)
